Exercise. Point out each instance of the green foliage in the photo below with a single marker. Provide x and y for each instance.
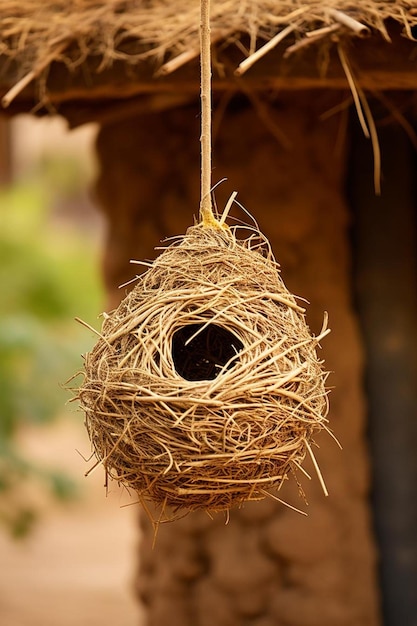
(48, 275)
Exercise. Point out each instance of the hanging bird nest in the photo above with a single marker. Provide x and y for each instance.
(204, 389)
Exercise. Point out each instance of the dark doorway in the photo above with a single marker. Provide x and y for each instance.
(384, 237)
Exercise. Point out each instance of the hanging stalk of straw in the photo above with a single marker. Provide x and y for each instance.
(206, 211)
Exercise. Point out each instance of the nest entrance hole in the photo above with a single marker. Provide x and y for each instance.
(201, 351)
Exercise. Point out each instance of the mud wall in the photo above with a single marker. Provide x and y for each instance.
(269, 566)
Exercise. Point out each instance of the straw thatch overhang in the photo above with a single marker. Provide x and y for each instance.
(91, 60)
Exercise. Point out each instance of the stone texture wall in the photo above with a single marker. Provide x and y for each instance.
(268, 566)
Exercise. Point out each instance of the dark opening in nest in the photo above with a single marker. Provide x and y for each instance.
(201, 351)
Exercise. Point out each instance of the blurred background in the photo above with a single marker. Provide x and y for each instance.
(67, 553)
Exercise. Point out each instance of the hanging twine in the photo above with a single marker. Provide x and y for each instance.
(206, 211)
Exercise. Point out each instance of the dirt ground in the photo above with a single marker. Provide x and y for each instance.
(77, 567)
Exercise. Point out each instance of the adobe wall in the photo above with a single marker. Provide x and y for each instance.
(269, 566)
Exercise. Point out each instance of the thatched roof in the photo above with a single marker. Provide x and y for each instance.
(85, 50)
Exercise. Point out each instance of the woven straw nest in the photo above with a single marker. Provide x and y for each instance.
(204, 389)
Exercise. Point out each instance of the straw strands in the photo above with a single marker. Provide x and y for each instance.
(204, 389)
(35, 32)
